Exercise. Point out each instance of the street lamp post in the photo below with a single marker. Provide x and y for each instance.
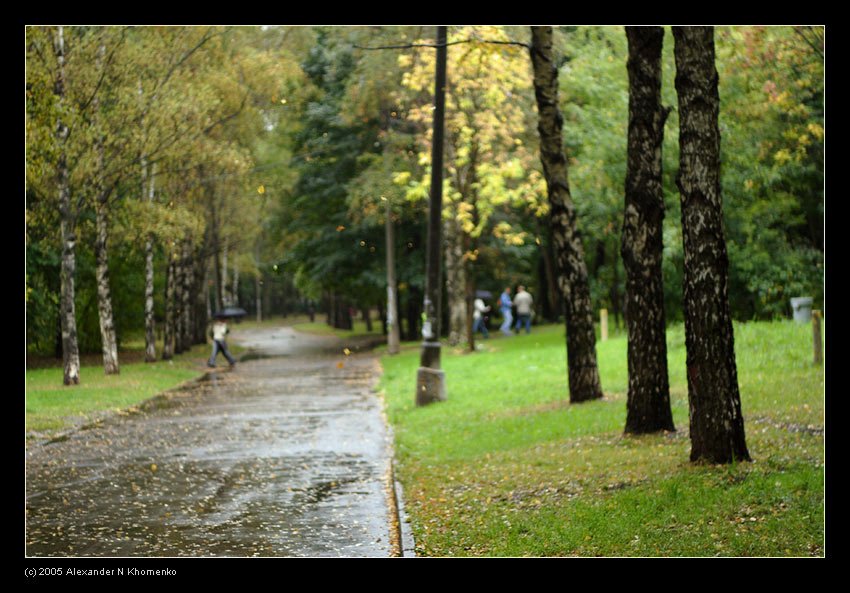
(430, 379)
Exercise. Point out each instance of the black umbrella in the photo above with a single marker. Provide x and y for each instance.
(483, 294)
(231, 312)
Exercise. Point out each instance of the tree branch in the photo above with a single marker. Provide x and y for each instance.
(798, 31)
(434, 45)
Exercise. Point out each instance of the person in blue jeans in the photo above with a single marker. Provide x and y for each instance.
(219, 331)
(505, 305)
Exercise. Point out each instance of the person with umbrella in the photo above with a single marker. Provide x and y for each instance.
(219, 332)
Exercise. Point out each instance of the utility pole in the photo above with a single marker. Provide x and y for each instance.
(430, 379)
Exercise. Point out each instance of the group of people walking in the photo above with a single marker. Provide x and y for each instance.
(522, 301)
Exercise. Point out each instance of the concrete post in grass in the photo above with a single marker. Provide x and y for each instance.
(603, 323)
(816, 337)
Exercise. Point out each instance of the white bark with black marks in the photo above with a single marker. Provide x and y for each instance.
(179, 272)
(168, 334)
(716, 422)
(393, 342)
(108, 338)
(68, 222)
(186, 296)
(582, 370)
(150, 336)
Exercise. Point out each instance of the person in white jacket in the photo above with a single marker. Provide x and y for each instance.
(523, 302)
(478, 317)
(220, 331)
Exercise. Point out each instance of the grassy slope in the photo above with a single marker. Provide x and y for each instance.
(53, 407)
(506, 467)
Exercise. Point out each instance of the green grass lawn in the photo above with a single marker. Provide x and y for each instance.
(52, 407)
(507, 467)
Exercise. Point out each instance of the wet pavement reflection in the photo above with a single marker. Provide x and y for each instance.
(286, 455)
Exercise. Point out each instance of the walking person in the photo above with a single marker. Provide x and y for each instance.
(523, 301)
(505, 304)
(479, 322)
(219, 332)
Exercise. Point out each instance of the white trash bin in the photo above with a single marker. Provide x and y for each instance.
(802, 308)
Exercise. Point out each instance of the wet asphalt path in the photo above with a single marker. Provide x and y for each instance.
(287, 455)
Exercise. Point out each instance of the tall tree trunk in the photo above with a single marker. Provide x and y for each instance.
(258, 296)
(413, 313)
(342, 313)
(216, 249)
(716, 423)
(367, 318)
(186, 295)
(649, 391)
(225, 297)
(391, 319)
(615, 291)
(150, 339)
(267, 299)
(382, 317)
(57, 341)
(179, 345)
(554, 299)
(235, 299)
(108, 339)
(168, 337)
(455, 279)
(470, 307)
(207, 301)
(104, 297)
(582, 369)
(70, 348)
(199, 310)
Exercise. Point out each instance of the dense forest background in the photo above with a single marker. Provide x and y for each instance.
(266, 159)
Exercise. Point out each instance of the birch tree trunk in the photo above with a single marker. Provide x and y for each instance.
(68, 317)
(168, 334)
(186, 296)
(392, 320)
(649, 390)
(179, 346)
(716, 423)
(108, 339)
(235, 299)
(583, 374)
(150, 338)
(199, 310)
(455, 279)
(104, 297)
(225, 298)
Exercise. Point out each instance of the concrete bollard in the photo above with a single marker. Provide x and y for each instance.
(603, 323)
(816, 337)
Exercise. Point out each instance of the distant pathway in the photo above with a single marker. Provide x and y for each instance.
(287, 455)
